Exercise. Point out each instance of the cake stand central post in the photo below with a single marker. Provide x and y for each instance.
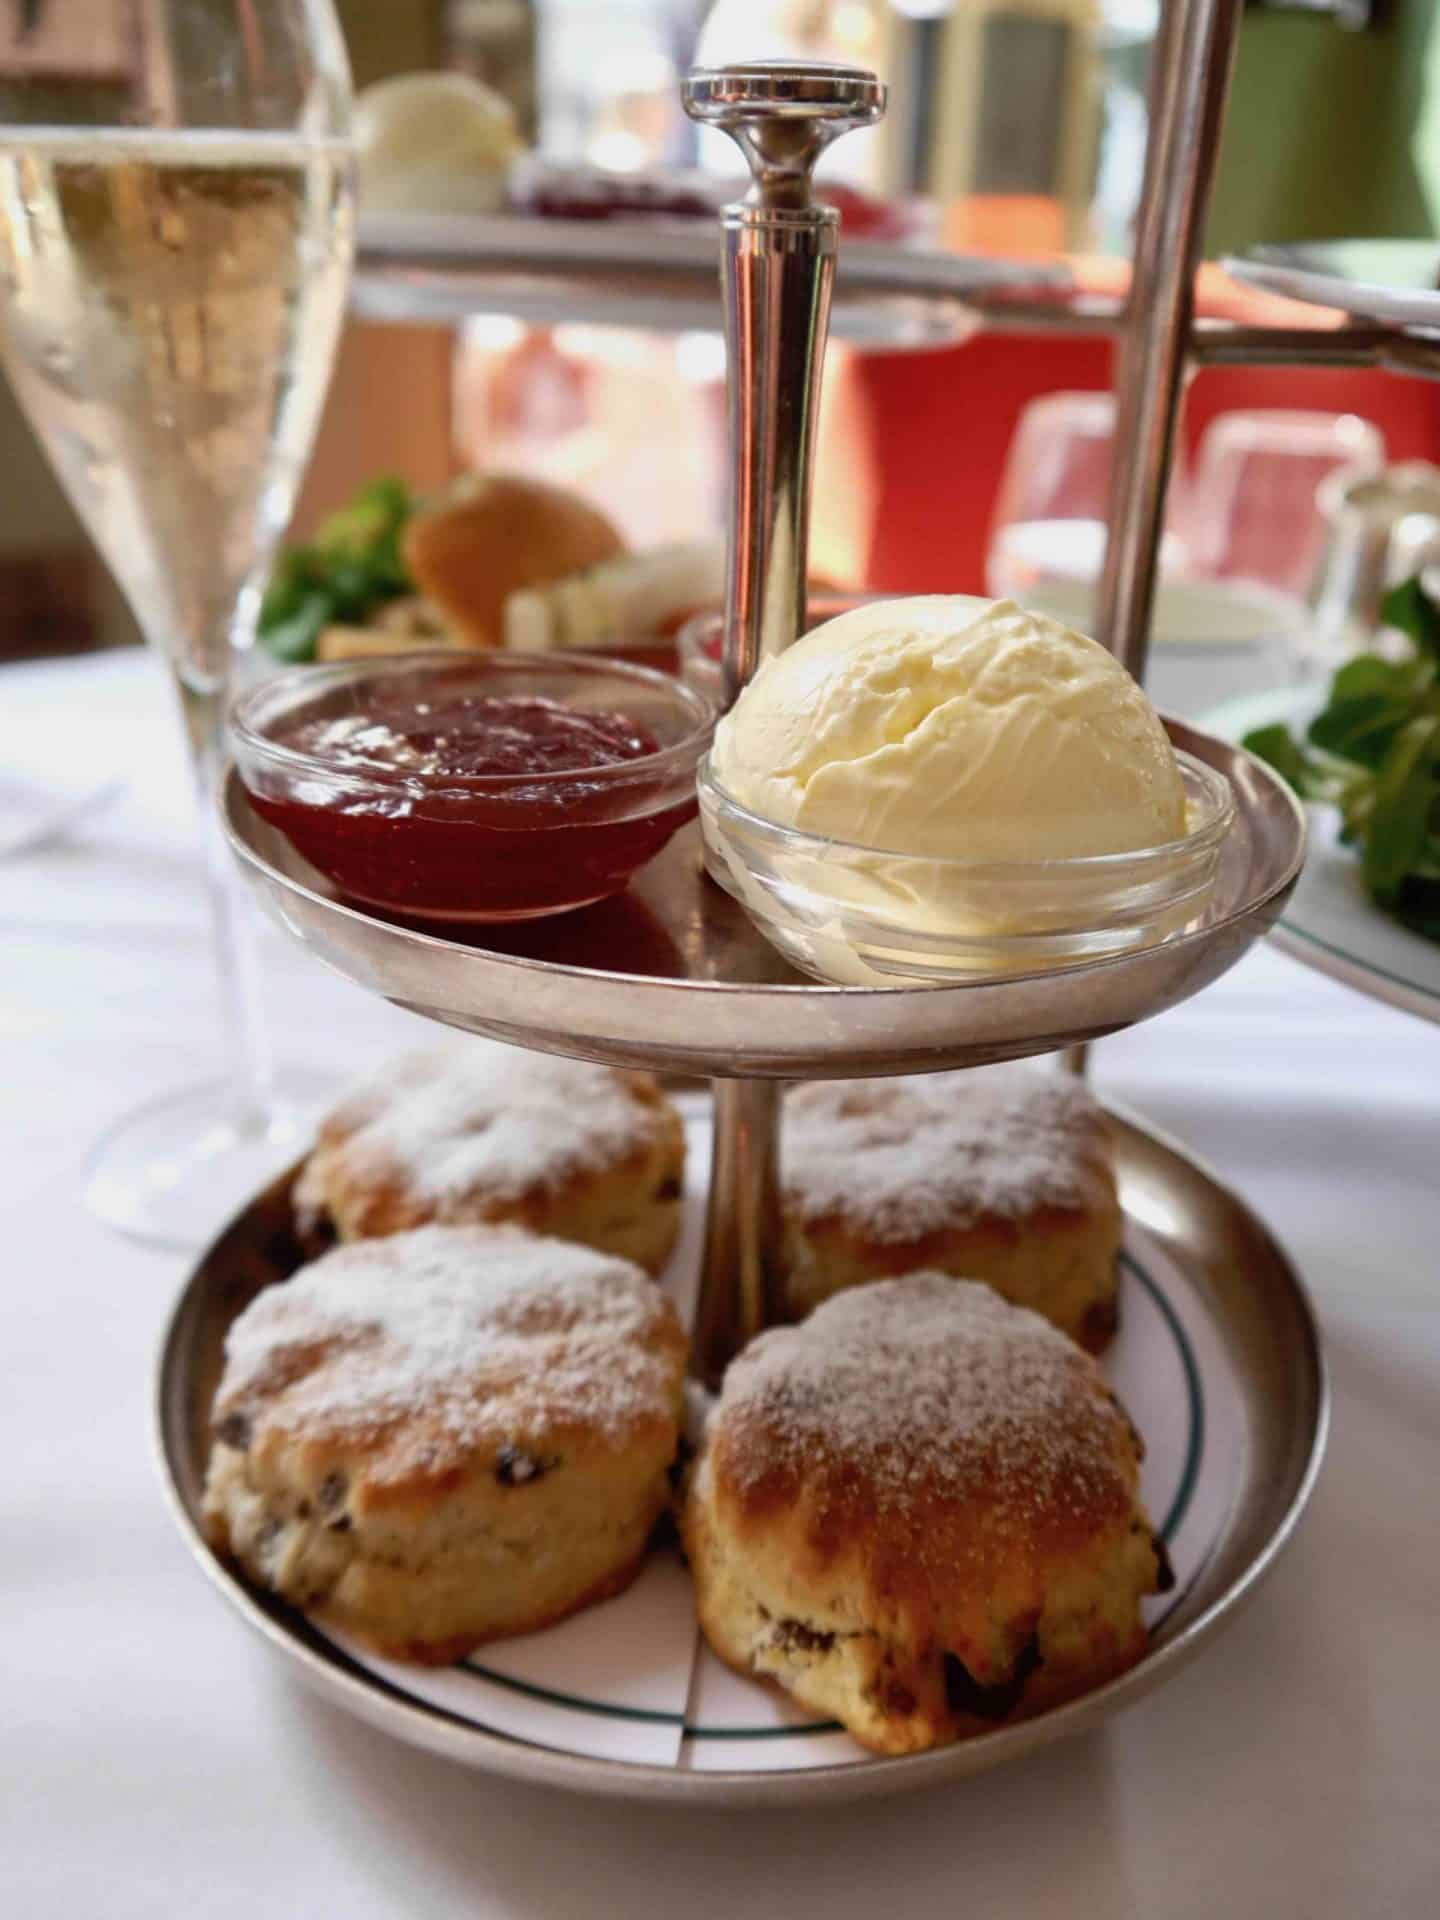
(778, 270)
(739, 1271)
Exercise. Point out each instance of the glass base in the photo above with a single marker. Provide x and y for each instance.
(172, 1174)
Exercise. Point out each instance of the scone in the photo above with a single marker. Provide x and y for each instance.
(1001, 1174)
(918, 1512)
(447, 1436)
(481, 1132)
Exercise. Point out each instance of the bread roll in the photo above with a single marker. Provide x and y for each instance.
(494, 534)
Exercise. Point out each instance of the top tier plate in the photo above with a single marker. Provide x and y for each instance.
(672, 975)
(662, 274)
(1389, 282)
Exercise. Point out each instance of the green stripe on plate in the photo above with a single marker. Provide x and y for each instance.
(1195, 1401)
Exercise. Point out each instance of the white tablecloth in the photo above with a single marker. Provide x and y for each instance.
(152, 1760)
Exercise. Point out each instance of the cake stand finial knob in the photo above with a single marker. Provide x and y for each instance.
(782, 114)
(777, 270)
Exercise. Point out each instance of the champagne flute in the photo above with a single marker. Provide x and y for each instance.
(175, 241)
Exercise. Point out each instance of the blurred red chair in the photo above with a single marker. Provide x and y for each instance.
(939, 424)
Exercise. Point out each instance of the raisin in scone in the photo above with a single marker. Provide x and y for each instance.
(919, 1512)
(445, 1436)
(1002, 1174)
(479, 1132)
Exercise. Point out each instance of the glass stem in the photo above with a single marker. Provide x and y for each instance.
(251, 1069)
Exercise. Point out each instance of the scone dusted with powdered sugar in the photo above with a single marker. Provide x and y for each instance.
(1002, 1174)
(919, 1512)
(479, 1132)
(444, 1436)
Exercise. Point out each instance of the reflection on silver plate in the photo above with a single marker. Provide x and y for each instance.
(1218, 1361)
(672, 974)
(1330, 922)
(665, 275)
(1395, 282)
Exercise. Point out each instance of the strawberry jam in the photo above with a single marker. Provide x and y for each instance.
(459, 804)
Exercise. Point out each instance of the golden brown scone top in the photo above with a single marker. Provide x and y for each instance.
(900, 1159)
(493, 534)
(437, 1127)
(946, 1449)
(426, 1355)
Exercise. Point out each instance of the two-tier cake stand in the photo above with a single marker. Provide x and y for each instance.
(1219, 1360)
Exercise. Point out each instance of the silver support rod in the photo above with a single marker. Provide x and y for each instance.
(1415, 353)
(1189, 78)
(740, 1275)
(1218, 343)
(779, 269)
(1190, 75)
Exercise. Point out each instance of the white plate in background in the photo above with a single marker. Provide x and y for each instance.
(1396, 282)
(1331, 922)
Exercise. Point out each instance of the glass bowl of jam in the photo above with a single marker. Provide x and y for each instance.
(473, 787)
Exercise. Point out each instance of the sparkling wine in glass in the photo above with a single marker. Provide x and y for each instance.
(175, 241)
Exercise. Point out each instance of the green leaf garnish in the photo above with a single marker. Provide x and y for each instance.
(351, 567)
(292, 639)
(1404, 794)
(1373, 751)
(1409, 608)
(1279, 748)
(1361, 726)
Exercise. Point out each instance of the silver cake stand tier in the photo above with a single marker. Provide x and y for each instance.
(1253, 1376)
(663, 275)
(673, 975)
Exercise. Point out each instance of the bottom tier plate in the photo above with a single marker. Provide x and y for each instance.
(1218, 1360)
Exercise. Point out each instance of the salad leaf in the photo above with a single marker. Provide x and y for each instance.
(1287, 755)
(1362, 729)
(291, 637)
(1374, 752)
(353, 565)
(1420, 910)
(1371, 701)
(1409, 608)
(1400, 822)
